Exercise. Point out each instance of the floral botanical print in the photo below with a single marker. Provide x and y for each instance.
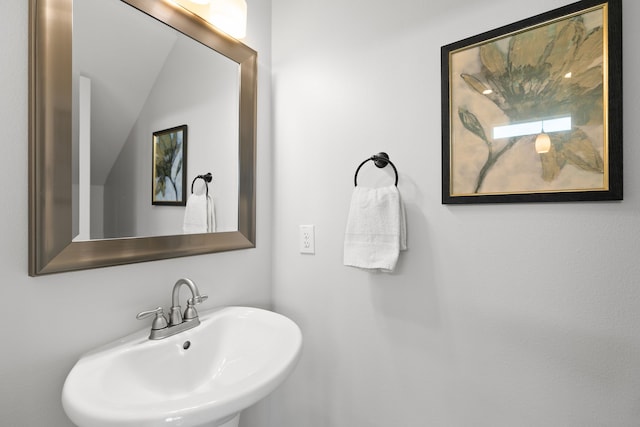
(168, 165)
(553, 70)
(169, 162)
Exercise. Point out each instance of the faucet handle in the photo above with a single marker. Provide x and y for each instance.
(197, 300)
(159, 322)
(191, 313)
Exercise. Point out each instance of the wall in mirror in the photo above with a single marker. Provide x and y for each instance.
(146, 77)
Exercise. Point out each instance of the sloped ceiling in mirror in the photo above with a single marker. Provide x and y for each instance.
(122, 53)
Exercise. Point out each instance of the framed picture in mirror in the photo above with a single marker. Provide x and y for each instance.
(532, 111)
(169, 166)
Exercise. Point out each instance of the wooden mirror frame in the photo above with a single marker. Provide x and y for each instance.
(51, 249)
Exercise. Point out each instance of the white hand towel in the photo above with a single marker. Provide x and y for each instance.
(376, 229)
(211, 216)
(199, 215)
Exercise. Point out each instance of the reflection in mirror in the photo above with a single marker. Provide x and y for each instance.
(140, 79)
(80, 184)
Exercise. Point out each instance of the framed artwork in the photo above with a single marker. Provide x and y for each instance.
(169, 167)
(532, 111)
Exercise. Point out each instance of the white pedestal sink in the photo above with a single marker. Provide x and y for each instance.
(201, 377)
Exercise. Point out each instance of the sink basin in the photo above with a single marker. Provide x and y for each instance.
(201, 377)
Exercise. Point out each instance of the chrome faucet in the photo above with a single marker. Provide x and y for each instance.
(190, 314)
(161, 328)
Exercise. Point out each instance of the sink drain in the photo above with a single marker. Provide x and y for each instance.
(186, 345)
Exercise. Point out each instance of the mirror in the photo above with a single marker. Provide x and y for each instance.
(147, 77)
(55, 110)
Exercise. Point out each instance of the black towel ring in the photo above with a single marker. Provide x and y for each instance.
(206, 178)
(380, 160)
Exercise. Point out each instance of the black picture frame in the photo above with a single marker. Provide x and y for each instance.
(521, 74)
(169, 169)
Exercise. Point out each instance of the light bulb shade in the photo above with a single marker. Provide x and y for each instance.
(199, 7)
(230, 16)
(543, 143)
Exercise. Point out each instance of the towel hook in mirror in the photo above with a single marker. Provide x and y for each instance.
(207, 178)
(381, 160)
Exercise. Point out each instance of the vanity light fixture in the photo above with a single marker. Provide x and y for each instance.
(229, 16)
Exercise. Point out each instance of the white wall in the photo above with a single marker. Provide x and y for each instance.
(471, 330)
(498, 315)
(47, 322)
